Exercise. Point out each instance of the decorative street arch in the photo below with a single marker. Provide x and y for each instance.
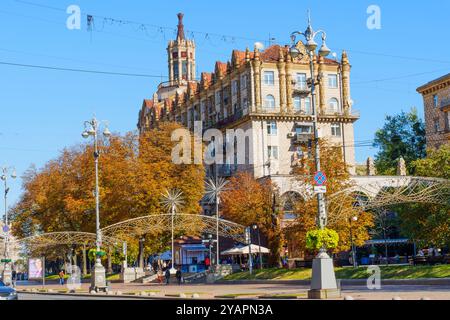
(63, 238)
(381, 192)
(191, 223)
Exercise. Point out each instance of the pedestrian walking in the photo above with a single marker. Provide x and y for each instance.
(14, 278)
(61, 277)
(167, 275)
(178, 276)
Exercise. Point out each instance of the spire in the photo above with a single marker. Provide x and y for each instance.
(180, 33)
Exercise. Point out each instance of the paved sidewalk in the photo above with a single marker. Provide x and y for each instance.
(209, 291)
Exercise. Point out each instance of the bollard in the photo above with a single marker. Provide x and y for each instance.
(348, 298)
(396, 298)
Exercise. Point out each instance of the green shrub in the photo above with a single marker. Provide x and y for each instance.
(326, 238)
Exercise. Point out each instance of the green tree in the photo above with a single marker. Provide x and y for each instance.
(402, 135)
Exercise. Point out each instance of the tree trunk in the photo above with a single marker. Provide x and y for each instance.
(109, 262)
(84, 261)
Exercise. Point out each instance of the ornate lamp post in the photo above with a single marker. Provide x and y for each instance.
(255, 227)
(323, 282)
(172, 200)
(213, 191)
(91, 129)
(6, 274)
(355, 218)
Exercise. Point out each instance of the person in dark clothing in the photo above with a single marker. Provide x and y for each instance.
(179, 276)
(167, 275)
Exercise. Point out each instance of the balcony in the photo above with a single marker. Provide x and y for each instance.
(445, 104)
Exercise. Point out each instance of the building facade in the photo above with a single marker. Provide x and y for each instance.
(264, 93)
(436, 100)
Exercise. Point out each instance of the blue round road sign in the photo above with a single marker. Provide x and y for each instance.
(320, 178)
(5, 229)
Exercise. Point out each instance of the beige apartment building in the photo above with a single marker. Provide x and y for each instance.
(265, 91)
(436, 100)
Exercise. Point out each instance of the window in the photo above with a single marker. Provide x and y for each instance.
(333, 105)
(308, 109)
(244, 79)
(336, 130)
(244, 103)
(272, 128)
(272, 152)
(435, 100)
(297, 103)
(437, 127)
(332, 81)
(303, 129)
(218, 97)
(175, 71)
(269, 102)
(234, 88)
(301, 81)
(269, 78)
(184, 69)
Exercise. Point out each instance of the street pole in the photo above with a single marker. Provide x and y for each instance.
(260, 254)
(172, 269)
(323, 282)
(98, 276)
(352, 244)
(217, 230)
(7, 270)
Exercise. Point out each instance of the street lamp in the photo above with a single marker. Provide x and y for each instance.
(7, 172)
(248, 240)
(255, 227)
(355, 218)
(172, 200)
(91, 129)
(323, 282)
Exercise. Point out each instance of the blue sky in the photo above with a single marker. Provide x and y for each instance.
(42, 111)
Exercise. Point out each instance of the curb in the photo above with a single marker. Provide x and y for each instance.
(347, 282)
(111, 296)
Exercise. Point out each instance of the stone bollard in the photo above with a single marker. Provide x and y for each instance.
(182, 295)
(152, 294)
(93, 292)
(396, 298)
(50, 291)
(348, 298)
(195, 296)
(425, 298)
(118, 293)
(143, 293)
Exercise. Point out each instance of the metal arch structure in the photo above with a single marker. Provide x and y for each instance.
(63, 238)
(381, 193)
(192, 223)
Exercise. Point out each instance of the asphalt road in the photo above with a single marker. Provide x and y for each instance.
(31, 296)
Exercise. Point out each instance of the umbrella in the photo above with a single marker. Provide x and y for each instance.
(244, 250)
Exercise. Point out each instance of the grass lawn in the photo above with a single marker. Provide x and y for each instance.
(109, 277)
(387, 272)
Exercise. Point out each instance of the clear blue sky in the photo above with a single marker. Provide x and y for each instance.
(42, 111)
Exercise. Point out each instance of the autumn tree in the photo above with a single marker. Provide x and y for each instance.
(134, 171)
(248, 201)
(341, 206)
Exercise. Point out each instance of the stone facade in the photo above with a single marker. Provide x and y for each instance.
(267, 92)
(436, 98)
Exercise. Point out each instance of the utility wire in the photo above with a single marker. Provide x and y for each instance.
(80, 70)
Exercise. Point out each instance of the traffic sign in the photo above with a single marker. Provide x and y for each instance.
(320, 178)
(320, 189)
(5, 228)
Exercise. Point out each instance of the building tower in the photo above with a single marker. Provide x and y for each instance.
(181, 54)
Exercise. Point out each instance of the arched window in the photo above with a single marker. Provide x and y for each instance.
(269, 102)
(333, 105)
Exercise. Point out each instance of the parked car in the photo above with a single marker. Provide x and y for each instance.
(7, 293)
